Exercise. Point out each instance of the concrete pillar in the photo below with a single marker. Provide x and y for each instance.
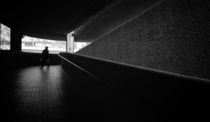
(70, 42)
(16, 37)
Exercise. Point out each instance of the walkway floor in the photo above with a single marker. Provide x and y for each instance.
(37, 94)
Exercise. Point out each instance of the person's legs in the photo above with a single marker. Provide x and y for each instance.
(43, 62)
(48, 62)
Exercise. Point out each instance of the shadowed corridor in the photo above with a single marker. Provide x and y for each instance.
(105, 92)
(38, 95)
(38, 92)
(146, 60)
(45, 94)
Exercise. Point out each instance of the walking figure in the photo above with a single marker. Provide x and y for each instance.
(45, 57)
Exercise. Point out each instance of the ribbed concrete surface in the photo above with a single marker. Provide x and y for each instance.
(173, 37)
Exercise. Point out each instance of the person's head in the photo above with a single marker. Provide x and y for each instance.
(46, 47)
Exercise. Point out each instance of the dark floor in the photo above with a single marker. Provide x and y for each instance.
(36, 94)
(48, 94)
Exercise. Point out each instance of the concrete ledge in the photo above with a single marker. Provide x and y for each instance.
(167, 96)
(130, 78)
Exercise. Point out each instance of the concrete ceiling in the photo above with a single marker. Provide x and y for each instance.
(48, 19)
(111, 18)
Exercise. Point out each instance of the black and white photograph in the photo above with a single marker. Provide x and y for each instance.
(105, 60)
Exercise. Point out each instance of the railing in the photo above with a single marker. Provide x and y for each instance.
(131, 78)
(12, 59)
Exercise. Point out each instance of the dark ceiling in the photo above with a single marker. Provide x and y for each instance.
(48, 19)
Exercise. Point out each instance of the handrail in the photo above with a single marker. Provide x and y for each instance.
(161, 72)
(89, 73)
(136, 80)
(80, 68)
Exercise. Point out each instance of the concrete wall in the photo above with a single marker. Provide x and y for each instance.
(16, 37)
(173, 36)
(148, 94)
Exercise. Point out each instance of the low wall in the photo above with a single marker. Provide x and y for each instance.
(11, 60)
(109, 103)
(28, 59)
(166, 95)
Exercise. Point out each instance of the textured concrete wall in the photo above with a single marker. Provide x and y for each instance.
(173, 36)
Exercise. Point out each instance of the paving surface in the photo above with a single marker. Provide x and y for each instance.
(36, 94)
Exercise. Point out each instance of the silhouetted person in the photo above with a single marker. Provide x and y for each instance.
(45, 57)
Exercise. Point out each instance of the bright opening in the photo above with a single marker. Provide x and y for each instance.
(36, 45)
(73, 46)
(79, 45)
(4, 37)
